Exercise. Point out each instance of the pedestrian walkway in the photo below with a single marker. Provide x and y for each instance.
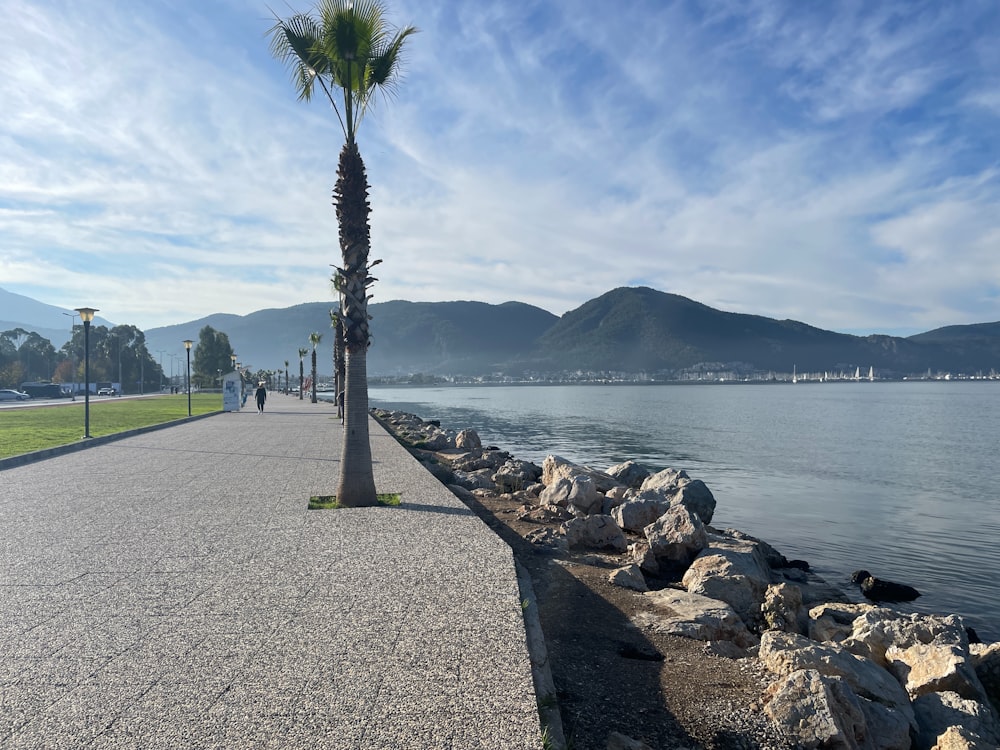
(171, 590)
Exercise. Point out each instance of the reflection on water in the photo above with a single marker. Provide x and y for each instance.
(897, 478)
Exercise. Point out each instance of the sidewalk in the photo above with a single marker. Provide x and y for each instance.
(170, 590)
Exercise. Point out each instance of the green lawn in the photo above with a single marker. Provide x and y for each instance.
(31, 429)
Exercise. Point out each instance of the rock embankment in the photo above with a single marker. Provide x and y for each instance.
(843, 675)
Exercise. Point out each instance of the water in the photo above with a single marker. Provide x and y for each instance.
(897, 478)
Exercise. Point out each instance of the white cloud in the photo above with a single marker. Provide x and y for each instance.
(817, 163)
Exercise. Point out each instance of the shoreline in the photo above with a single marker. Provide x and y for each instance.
(772, 616)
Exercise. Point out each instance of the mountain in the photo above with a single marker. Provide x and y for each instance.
(407, 337)
(640, 329)
(48, 321)
(630, 329)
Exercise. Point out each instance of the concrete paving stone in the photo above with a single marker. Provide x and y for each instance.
(237, 618)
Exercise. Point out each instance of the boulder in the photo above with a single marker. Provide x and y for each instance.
(556, 493)
(635, 515)
(834, 621)
(468, 440)
(515, 475)
(485, 458)
(556, 467)
(613, 498)
(594, 532)
(629, 474)
(935, 668)
(937, 712)
(583, 496)
(875, 630)
(817, 710)
(698, 617)
(481, 479)
(664, 481)
(782, 608)
(732, 569)
(642, 556)
(785, 653)
(543, 514)
(435, 440)
(676, 537)
(628, 577)
(694, 495)
(957, 738)
(986, 662)
(822, 711)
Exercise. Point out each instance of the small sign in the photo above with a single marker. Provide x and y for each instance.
(232, 384)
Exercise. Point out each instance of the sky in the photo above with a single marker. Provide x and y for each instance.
(835, 163)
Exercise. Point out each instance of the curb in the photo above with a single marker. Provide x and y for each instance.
(60, 450)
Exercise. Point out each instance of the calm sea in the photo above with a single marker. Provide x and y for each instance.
(897, 478)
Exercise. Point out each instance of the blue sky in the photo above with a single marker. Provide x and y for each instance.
(835, 163)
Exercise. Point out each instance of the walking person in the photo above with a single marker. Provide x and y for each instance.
(261, 396)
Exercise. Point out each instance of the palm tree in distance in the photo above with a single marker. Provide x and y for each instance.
(302, 353)
(286, 377)
(349, 47)
(314, 339)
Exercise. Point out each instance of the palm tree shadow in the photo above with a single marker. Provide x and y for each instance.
(606, 672)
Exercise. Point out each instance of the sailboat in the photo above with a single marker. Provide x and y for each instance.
(871, 374)
(857, 373)
(795, 377)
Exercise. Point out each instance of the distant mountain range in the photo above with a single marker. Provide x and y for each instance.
(630, 330)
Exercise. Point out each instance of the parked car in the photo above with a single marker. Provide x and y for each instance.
(105, 391)
(8, 394)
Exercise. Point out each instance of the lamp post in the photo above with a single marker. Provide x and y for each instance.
(187, 346)
(86, 315)
(232, 359)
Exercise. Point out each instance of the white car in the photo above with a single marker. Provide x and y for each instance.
(106, 392)
(8, 394)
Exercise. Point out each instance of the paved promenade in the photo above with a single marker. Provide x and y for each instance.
(170, 590)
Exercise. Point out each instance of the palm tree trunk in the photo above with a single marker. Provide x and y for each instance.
(314, 376)
(357, 482)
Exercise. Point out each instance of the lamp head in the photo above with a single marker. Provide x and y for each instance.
(86, 313)
(188, 343)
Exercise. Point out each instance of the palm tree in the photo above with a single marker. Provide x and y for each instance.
(314, 339)
(286, 377)
(302, 354)
(349, 47)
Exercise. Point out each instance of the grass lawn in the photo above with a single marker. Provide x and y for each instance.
(30, 429)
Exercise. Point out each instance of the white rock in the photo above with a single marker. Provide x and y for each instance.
(676, 537)
(595, 532)
(785, 653)
(628, 577)
(635, 515)
(936, 712)
(698, 617)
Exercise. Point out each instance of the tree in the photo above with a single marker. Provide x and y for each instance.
(286, 377)
(314, 339)
(213, 353)
(302, 353)
(349, 47)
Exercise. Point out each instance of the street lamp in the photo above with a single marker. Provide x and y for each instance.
(86, 315)
(232, 358)
(187, 345)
